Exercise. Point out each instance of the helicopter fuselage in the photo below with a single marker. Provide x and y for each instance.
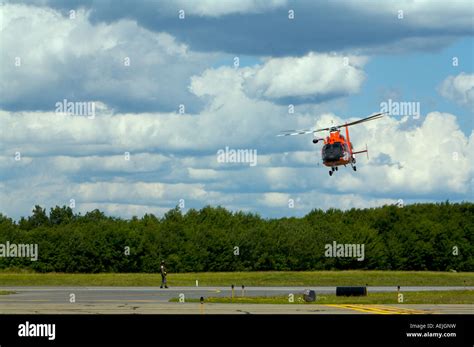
(336, 150)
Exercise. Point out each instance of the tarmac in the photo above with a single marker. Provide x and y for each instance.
(153, 300)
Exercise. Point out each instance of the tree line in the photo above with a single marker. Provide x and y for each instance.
(415, 237)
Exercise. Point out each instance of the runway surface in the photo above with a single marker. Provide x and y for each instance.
(153, 300)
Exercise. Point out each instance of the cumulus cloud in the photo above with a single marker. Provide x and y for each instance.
(242, 27)
(138, 155)
(121, 63)
(173, 157)
(311, 78)
(459, 89)
(422, 13)
(211, 8)
(428, 161)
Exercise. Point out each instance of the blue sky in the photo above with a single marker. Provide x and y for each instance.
(138, 154)
(416, 76)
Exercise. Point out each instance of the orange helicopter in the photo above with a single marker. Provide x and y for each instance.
(337, 149)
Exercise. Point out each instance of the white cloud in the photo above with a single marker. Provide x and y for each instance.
(173, 156)
(416, 13)
(222, 81)
(422, 13)
(428, 161)
(119, 63)
(258, 27)
(126, 210)
(203, 174)
(212, 8)
(313, 77)
(275, 199)
(145, 192)
(459, 89)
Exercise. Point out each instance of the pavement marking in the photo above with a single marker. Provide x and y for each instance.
(379, 309)
(120, 300)
(403, 310)
(22, 300)
(359, 308)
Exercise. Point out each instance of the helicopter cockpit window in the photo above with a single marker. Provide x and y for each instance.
(332, 152)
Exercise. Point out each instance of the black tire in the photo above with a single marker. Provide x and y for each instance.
(330, 173)
(351, 291)
(355, 169)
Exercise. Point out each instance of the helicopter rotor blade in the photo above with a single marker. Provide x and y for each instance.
(312, 131)
(295, 132)
(322, 129)
(373, 117)
(300, 132)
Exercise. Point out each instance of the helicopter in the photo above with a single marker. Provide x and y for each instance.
(337, 149)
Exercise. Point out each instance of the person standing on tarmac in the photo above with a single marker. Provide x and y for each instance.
(163, 274)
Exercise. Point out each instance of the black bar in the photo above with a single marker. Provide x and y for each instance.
(240, 329)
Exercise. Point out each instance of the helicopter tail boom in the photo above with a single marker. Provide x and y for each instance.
(364, 151)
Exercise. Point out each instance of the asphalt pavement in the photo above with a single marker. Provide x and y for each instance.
(130, 300)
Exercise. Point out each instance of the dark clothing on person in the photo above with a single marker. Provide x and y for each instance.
(163, 276)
